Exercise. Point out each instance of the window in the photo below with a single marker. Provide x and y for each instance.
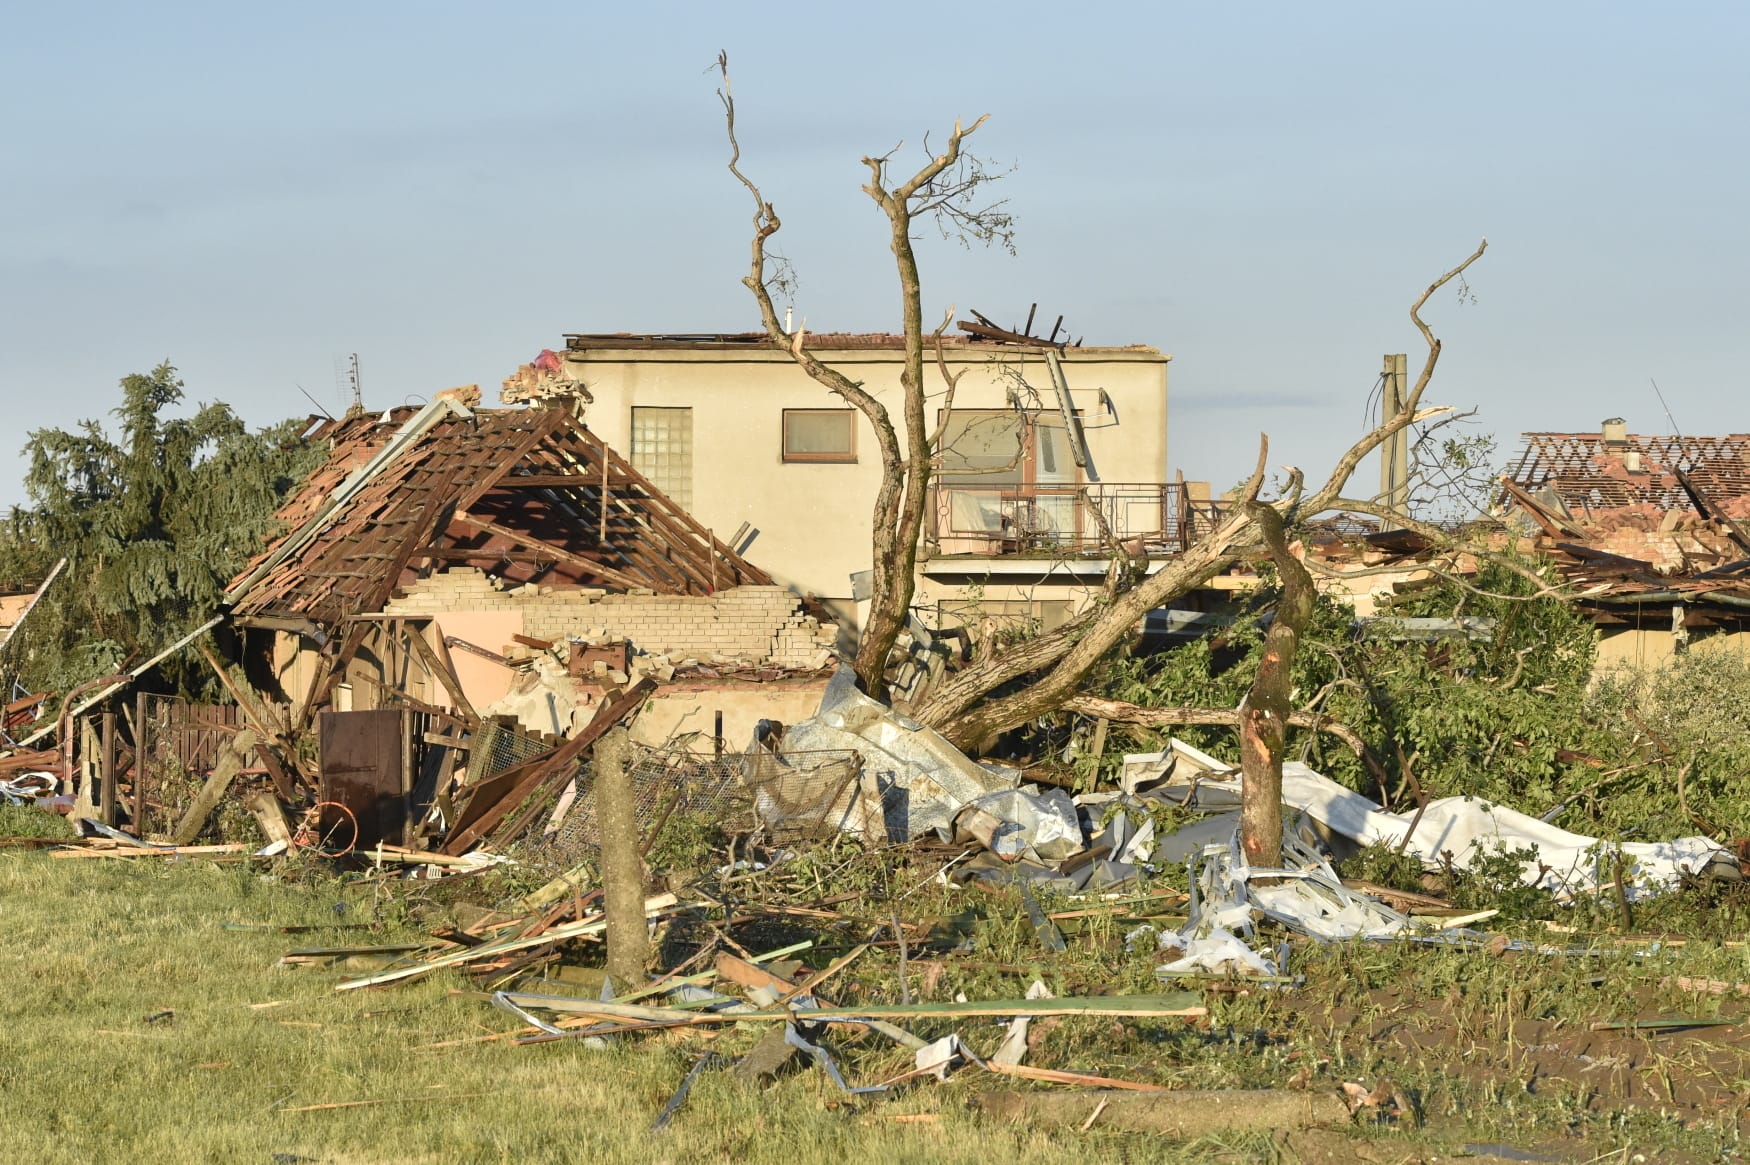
(1006, 478)
(982, 447)
(1006, 614)
(662, 450)
(820, 435)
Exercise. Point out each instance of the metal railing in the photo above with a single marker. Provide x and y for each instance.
(1147, 518)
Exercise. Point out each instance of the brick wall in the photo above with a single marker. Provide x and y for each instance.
(1663, 549)
(762, 624)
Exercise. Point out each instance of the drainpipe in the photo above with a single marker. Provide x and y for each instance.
(67, 723)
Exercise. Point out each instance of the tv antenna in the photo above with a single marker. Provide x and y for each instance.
(1675, 431)
(352, 376)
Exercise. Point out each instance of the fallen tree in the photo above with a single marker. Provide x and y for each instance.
(1006, 688)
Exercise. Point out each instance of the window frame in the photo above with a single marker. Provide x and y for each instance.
(849, 457)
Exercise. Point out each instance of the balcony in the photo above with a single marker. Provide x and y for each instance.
(1059, 521)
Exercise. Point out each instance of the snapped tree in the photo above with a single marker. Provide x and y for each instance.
(1005, 688)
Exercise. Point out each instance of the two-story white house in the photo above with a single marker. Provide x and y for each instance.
(772, 462)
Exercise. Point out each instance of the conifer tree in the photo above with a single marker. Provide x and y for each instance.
(153, 520)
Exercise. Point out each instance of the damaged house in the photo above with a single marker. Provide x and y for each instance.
(1651, 533)
(1651, 530)
(508, 566)
(1048, 452)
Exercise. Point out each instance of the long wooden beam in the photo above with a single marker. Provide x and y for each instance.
(443, 675)
(533, 543)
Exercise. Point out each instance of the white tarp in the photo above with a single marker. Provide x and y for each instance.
(921, 780)
(1466, 827)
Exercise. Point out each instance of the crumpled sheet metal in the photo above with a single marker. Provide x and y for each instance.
(922, 780)
(1013, 823)
(1466, 827)
(1306, 896)
(24, 788)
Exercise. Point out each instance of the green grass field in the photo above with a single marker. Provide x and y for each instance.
(96, 953)
(145, 1019)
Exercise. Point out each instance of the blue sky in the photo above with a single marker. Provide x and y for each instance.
(253, 191)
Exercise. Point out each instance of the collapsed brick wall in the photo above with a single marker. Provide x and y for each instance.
(762, 624)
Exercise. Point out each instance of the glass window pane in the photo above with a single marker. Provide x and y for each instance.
(820, 434)
(662, 450)
(982, 447)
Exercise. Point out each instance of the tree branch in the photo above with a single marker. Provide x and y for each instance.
(1123, 712)
(1407, 414)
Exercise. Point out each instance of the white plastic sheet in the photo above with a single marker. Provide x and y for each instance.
(1467, 828)
(922, 780)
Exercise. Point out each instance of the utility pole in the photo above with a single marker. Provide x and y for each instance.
(1394, 453)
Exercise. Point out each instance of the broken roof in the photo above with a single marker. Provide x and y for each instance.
(819, 341)
(527, 495)
(1604, 584)
(1590, 472)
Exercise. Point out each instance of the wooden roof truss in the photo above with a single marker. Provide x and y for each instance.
(527, 495)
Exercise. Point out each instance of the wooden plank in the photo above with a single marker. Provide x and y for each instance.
(595, 568)
(271, 816)
(224, 772)
(445, 676)
(1180, 1004)
(549, 481)
(557, 761)
(282, 780)
(652, 906)
(106, 773)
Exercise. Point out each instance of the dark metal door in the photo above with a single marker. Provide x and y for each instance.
(365, 767)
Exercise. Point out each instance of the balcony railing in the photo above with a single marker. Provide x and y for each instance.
(1034, 519)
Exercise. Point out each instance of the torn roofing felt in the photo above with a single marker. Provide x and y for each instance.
(526, 495)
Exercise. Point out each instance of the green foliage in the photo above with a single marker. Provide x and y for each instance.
(153, 518)
(1515, 716)
(1489, 717)
(688, 842)
(1495, 880)
(29, 821)
(1692, 717)
(1385, 865)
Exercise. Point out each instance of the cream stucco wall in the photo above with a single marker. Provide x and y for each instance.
(814, 519)
(1654, 647)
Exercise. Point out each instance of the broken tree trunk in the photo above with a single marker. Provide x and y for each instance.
(622, 866)
(1265, 712)
(231, 759)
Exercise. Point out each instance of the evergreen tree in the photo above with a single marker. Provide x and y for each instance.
(154, 520)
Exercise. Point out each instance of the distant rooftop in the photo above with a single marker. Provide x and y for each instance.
(979, 332)
(1614, 469)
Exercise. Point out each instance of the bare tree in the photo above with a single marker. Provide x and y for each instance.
(1008, 686)
(943, 188)
(1037, 677)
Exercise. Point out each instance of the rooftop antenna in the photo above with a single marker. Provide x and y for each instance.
(316, 402)
(352, 375)
(1675, 431)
